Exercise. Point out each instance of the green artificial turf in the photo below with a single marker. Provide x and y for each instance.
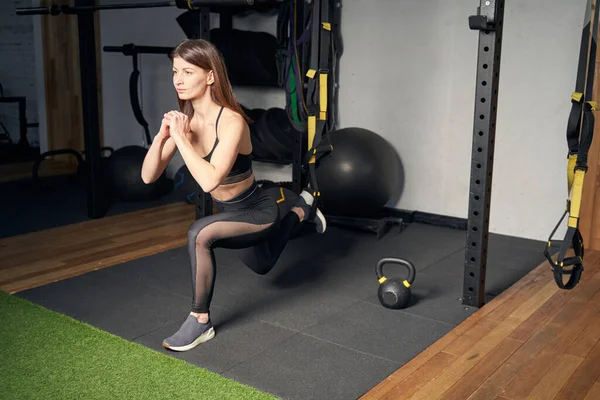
(47, 355)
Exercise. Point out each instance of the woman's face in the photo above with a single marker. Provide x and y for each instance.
(189, 80)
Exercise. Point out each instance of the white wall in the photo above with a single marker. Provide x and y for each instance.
(414, 86)
(542, 40)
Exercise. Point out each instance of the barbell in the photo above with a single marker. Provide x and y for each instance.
(183, 4)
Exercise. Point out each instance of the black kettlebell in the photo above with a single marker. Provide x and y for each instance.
(394, 293)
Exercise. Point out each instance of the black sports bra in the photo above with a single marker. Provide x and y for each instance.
(242, 167)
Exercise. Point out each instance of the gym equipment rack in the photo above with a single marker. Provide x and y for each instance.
(488, 21)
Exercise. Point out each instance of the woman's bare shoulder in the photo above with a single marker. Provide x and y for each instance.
(232, 121)
(232, 114)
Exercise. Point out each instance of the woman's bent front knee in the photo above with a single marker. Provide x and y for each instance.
(197, 234)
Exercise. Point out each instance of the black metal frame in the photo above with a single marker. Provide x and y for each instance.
(489, 22)
(131, 49)
(79, 7)
(22, 104)
(204, 202)
(98, 199)
(303, 10)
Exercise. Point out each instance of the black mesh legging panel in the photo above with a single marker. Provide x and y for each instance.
(262, 257)
(230, 229)
(250, 222)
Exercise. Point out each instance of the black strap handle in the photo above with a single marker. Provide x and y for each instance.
(135, 101)
(49, 153)
(412, 271)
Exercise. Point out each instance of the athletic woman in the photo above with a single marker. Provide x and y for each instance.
(212, 135)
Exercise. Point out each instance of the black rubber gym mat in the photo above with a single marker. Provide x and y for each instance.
(312, 328)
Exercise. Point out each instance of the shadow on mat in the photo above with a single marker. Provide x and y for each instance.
(415, 298)
(315, 258)
(319, 259)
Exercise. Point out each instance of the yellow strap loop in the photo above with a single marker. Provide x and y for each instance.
(323, 95)
(576, 198)
(312, 130)
(571, 171)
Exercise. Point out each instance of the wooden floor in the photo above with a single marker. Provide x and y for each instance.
(17, 171)
(533, 341)
(39, 258)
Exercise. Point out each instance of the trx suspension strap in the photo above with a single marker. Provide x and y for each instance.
(317, 92)
(135, 100)
(580, 130)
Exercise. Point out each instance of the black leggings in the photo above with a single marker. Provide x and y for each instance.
(251, 221)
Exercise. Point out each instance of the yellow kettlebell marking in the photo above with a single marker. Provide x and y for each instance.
(406, 283)
(382, 279)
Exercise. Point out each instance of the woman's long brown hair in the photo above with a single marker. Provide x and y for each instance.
(205, 55)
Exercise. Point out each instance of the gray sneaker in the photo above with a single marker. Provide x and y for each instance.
(190, 335)
(305, 201)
